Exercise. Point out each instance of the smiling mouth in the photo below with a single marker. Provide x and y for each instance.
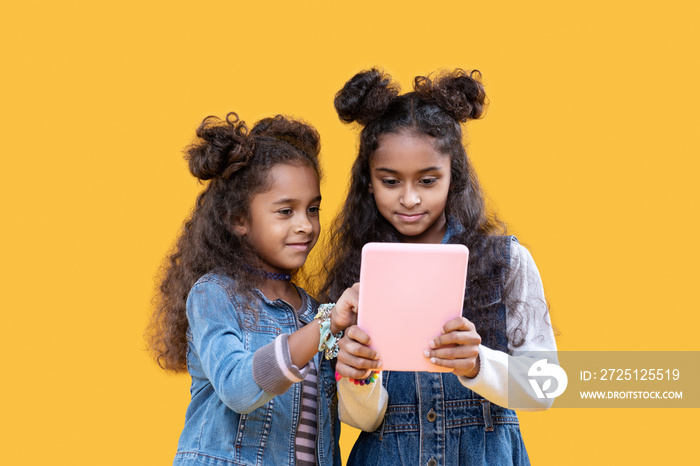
(300, 246)
(410, 218)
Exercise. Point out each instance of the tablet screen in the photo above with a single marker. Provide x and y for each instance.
(407, 293)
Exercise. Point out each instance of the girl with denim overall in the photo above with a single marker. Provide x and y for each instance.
(229, 313)
(412, 182)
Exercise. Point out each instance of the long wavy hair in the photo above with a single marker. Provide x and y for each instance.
(235, 163)
(435, 108)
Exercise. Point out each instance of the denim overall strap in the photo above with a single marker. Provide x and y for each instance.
(493, 330)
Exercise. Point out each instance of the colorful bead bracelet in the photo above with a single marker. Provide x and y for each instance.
(373, 376)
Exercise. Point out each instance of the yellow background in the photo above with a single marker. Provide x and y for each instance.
(589, 151)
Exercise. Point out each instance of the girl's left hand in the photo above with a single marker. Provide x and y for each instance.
(457, 348)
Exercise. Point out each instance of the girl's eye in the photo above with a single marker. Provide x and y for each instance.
(428, 181)
(285, 211)
(390, 182)
(314, 209)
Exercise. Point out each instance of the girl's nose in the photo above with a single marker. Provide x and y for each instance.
(409, 198)
(303, 224)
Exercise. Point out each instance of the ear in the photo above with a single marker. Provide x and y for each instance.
(240, 226)
(370, 189)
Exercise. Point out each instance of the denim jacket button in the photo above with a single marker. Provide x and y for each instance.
(432, 462)
(431, 417)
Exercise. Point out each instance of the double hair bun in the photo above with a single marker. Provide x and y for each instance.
(224, 147)
(368, 94)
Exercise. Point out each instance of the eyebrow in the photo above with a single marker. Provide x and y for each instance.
(291, 201)
(424, 170)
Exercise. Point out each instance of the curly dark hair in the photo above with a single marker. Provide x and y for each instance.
(435, 108)
(237, 163)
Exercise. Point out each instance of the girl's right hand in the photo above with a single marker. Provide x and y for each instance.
(356, 360)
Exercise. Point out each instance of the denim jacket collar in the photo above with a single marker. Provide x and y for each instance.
(306, 312)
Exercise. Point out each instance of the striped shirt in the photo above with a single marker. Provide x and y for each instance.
(274, 372)
(306, 433)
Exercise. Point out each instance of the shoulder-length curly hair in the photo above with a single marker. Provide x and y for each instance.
(236, 164)
(435, 108)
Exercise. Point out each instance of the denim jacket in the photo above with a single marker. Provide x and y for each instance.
(432, 419)
(230, 419)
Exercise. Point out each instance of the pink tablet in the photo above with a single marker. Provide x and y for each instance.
(407, 293)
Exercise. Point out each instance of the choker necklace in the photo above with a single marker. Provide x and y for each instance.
(268, 275)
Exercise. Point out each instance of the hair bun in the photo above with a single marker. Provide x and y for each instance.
(300, 135)
(365, 96)
(459, 92)
(222, 147)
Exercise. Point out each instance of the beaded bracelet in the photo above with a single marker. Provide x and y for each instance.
(373, 376)
(327, 341)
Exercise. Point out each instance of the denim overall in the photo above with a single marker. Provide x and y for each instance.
(432, 419)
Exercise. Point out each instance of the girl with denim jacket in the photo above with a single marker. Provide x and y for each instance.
(412, 182)
(229, 312)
